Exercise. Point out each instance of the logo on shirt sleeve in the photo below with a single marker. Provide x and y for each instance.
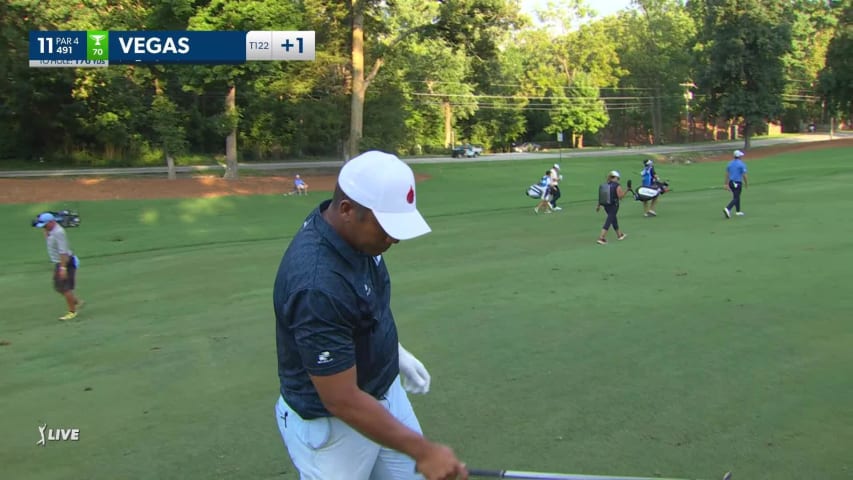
(324, 357)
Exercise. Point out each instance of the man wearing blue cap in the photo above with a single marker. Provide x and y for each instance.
(64, 261)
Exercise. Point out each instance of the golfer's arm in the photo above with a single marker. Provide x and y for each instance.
(726, 181)
(342, 397)
(745, 182)
(63, 259)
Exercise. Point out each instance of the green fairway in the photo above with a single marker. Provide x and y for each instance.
(696, 346)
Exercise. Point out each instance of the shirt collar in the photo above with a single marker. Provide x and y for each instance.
(344, 249)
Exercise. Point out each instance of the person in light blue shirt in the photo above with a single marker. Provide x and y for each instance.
(299, 185)
(736, 181)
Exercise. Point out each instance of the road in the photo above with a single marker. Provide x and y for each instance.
(497, 157)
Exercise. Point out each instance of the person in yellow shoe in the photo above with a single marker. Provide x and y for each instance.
(64, 261)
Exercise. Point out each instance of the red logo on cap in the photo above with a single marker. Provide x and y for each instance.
(410, 197)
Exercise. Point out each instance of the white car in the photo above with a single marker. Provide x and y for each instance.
(469, 151)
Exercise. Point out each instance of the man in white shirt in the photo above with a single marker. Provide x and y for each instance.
(555, 187)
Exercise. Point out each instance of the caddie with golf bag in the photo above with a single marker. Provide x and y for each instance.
(651, 189)
(542, 191)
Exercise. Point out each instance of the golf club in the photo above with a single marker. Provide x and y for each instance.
(560, 476)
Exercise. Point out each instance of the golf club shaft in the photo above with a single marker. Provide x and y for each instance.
(550, 476)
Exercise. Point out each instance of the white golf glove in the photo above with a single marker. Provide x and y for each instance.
(413, 374)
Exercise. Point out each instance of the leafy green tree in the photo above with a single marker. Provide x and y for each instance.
(579, 111)
(236, 15)
(745, 74)
(167, 124)
(566, 70)
(653, 43)
(837, 78)
(813, 25)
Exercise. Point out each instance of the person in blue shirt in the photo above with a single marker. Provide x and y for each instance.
(736, 181)
(650, 179)
(299, 185)
(342, 409)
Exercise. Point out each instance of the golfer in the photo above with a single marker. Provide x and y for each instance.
(736, 181)
(556, 177)
(64, 262)
(343, 410)
(547, 184)
(608, 197)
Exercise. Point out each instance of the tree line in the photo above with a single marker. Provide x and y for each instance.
(418, 76)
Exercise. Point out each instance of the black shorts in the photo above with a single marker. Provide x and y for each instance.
(66, 285)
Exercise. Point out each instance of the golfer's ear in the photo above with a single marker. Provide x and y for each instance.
(346, 208)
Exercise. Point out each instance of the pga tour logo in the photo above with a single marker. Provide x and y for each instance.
(57, 435)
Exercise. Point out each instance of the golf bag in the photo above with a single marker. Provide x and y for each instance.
(643, 194)
(66, 218)
(535, 191)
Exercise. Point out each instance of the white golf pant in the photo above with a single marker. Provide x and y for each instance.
(329, 449)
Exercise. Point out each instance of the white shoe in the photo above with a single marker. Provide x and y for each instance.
(727, 213)
(652, 213)
(740, 214)
(536, 211)
(557, 209)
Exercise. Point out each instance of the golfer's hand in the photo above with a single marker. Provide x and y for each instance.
(438, 462)
(414, 375)
(62, 273)
(726, 186)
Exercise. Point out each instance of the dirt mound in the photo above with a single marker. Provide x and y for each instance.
(106, 188)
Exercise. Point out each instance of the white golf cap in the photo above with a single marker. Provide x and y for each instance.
(615, 173)
(738, 153)
(557, 166)
(386, 185)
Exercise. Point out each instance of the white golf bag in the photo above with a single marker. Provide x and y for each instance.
(536, 191)
(643, 194)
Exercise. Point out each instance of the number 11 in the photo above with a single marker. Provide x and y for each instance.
(50, 44)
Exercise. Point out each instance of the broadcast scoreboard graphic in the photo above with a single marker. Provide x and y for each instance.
(101, 48)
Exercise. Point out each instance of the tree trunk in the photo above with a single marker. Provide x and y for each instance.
(657, 124)
(579, 141)
(231, 140)
(170, 162)
(448, 123)
(747, 133)
(358, 85)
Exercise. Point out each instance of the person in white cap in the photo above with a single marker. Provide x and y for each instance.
(736, 181)
(343, 410)
(299, 185)
(64, 262)
(609, 194)
(650, 180)
(556, 177)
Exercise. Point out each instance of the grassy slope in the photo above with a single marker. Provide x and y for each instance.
(696, 346)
